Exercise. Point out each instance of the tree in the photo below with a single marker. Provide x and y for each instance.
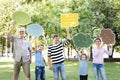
(110, 16)
(94, 15)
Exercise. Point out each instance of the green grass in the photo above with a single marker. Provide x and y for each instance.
(112, 71)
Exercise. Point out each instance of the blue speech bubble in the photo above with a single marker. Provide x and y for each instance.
(34, 30)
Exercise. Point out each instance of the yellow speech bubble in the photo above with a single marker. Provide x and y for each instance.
(69, 20)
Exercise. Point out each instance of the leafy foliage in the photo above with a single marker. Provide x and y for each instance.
(93, 15)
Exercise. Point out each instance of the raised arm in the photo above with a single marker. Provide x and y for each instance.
(109, 50)
(10, 32)
(68, 38)
(35, 43)
(68, 33)
(78, 56)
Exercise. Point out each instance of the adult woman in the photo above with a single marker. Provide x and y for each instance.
(98, 59)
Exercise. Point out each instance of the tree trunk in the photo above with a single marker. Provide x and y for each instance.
(6, 49)
(2, 40)
(111, 56)
(68, 52)
(91, 52)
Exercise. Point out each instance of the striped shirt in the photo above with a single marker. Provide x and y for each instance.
(56, 52)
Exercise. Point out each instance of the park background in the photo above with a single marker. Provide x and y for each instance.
(94, 15)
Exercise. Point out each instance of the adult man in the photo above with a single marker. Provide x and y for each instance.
(55, 53)
(21, 52)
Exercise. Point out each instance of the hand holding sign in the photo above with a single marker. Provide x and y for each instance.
(82, 40)
(35, 30)
(108, 37)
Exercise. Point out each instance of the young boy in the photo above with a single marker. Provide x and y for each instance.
(40, 64)
(83, 68)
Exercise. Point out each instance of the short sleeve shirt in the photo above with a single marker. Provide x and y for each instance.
(22, 49)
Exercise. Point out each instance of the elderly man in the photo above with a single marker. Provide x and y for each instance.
(21, 52)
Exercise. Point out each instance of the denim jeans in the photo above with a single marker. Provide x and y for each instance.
(99, 68)
(59, 68)
(39, 73)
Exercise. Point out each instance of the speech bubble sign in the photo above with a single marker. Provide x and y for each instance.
(108, 37)
(21, 18)
(69, 20)
(82, 40)
(34, 30)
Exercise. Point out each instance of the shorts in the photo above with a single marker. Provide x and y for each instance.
(25, 66)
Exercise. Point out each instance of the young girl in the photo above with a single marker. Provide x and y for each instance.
(98, 60)
(40, 64)
(83, 67)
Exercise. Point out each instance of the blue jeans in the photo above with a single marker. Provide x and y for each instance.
(99, 68)
(39, 73)
(59, 68)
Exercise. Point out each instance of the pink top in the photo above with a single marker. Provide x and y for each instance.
(98, 54)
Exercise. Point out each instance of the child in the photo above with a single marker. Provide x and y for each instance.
(83, 68)
(40, 64)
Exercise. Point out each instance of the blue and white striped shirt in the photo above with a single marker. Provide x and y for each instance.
(56, 52)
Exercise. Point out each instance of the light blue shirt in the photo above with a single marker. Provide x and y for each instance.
(83, 67)
(39, 59)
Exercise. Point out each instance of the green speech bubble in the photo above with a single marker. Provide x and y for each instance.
(21, 18)
(82, 40)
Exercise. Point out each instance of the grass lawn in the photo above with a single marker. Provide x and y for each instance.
(112, 71)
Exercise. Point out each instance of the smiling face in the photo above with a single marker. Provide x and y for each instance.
(56, 40)
(22, 32)
(40, 47)
(83, 57)
(98, 42)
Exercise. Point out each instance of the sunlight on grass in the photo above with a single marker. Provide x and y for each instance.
(112, 71)
(117, 62)
(71, 64)
(6, 66)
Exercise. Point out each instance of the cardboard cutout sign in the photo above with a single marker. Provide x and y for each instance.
(21, 18)
(69, 20)
(108, 37)
(82, 40)
(34, 30)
